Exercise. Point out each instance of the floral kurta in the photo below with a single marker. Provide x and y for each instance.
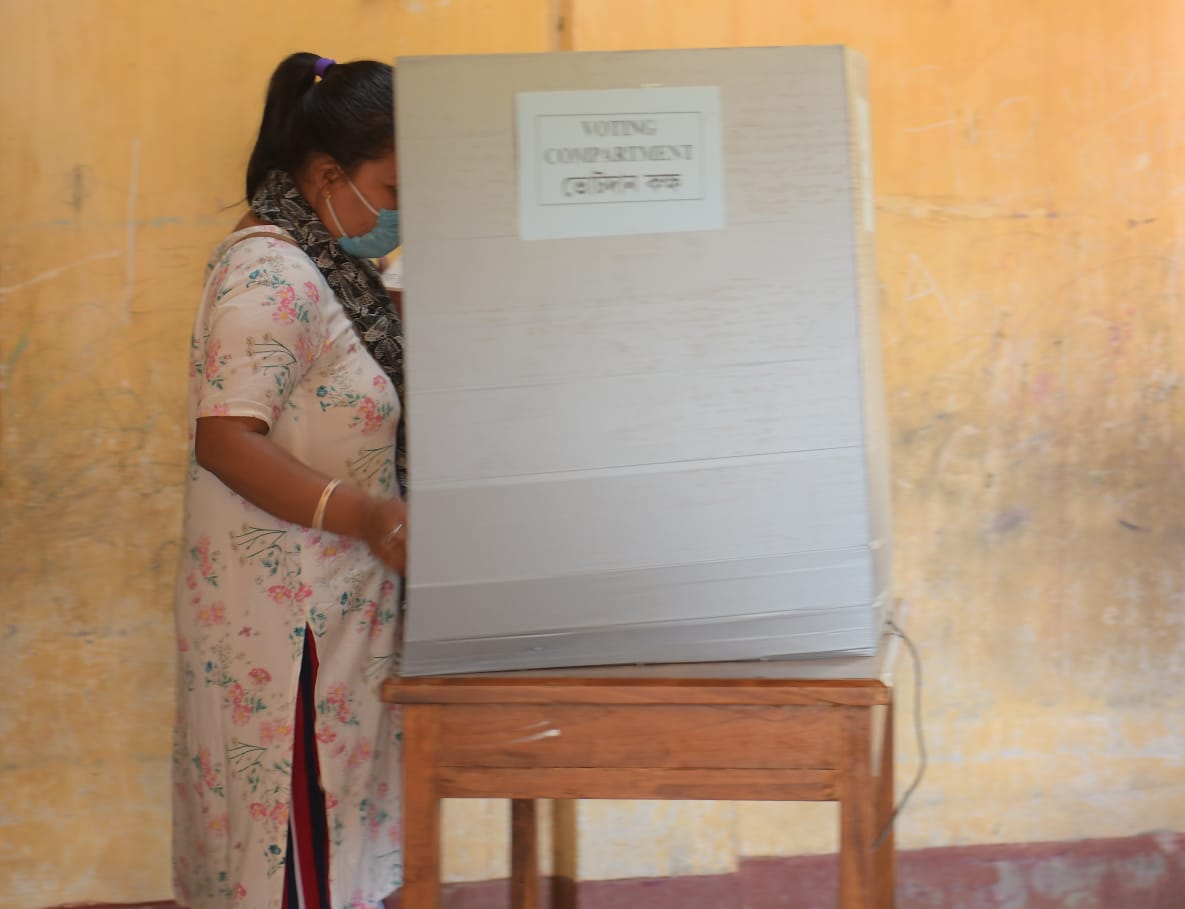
(272, 342)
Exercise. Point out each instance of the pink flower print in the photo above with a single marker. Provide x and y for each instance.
(382, 789)
(311, 291)
(371, 418)
(191, 581)
(280, 593)
(304, 349)
(374, 822)
(325, 736)
(240, 892)
(260, 676)
(285, 309)
(360, 755)
(183, 644)
(302, 593)
(203, 551)
(379, 382)
(218, 825)
(245, 631)
(335, 546)
(387, 588)
(279, 815)
(337, 700)
(212, 615)
(274, 732)
(212, 365)
(218, 410)
(331, 800)
(371, 617)
(258, 811)
(241, 712)
(209, 777)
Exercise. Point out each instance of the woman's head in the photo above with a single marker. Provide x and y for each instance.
(347, 114)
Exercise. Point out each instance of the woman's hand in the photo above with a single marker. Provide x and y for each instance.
(385, 532)
(238, 451)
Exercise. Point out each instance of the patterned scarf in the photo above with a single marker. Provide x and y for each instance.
(355, 281)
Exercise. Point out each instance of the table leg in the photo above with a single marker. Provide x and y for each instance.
(524, 855)
(563, 834)
(421, 807)
(885, 860)
(857, 813)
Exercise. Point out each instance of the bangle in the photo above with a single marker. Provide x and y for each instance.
(319, 514)
(393, 534)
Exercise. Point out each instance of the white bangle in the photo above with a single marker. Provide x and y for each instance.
(319, 514)
(393, 534)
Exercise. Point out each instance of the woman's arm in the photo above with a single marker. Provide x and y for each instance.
(238, 451)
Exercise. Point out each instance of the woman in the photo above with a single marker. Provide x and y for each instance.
(286, 763)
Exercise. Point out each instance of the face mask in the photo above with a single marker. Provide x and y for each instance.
(375, 243)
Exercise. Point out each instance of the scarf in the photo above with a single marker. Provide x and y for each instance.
(356, 283)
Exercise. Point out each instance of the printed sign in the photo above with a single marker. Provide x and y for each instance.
(619, 161)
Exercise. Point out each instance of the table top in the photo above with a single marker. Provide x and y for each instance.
(857, 681)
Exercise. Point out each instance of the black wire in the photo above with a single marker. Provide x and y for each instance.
(896, 631)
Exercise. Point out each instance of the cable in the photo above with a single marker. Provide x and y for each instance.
(895, 631)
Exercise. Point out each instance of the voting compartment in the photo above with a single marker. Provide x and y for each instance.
(643, 378)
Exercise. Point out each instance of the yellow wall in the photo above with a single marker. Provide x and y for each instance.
(1030, 244)
(125, 127)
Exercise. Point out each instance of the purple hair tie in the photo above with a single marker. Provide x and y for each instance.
(321, 65)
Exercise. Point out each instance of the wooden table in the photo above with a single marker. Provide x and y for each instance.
(601, 734)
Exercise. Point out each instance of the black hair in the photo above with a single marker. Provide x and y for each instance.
(348, 114)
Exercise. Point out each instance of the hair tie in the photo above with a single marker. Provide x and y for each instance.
(321, 65)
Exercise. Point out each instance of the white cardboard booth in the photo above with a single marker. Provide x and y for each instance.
(644, 393)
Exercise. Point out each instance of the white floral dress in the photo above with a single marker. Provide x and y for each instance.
(272, 342)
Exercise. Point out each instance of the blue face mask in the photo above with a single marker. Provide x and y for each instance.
(375, 243)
